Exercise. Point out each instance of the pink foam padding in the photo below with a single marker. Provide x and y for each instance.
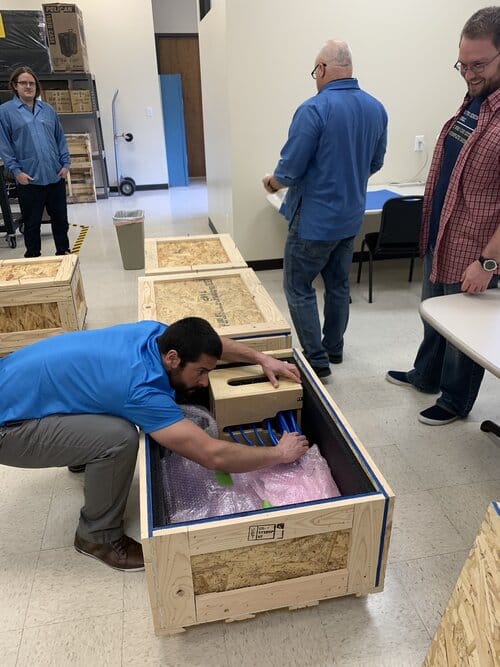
(307, 479)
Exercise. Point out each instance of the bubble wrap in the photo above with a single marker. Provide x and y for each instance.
(193, 492)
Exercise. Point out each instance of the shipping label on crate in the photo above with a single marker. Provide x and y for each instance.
(269, 531)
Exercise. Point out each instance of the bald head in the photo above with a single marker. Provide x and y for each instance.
(336, 62)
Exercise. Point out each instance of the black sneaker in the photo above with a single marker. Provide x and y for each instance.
(401, 378)
(437, 416)
(336, 358)
(322, 371)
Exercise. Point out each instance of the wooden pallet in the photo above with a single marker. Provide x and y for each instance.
(39, 297)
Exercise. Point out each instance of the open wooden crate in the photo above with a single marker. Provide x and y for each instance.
(232, 567)
(39, 297)
(191, 253)
(234, 301)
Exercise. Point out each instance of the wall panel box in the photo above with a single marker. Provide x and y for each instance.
(39, 297)
(191, 253)
(234, 301)
(235, 566)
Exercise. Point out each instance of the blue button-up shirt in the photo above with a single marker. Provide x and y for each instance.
(32, 142)
(337, 139)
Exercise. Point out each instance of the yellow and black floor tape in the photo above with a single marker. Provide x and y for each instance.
(80, 238)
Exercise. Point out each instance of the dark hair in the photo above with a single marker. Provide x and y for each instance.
(483, 24)
(190, 338)
(24, 70)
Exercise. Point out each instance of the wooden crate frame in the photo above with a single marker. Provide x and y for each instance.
(59, 299)
(172, 553)
(469, 631)
(273, 333)
(80, 181)
(152, 260)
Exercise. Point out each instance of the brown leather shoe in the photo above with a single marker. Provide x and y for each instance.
(123, 554)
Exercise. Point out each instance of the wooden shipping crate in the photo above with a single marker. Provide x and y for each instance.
(469, 632)
(39, 297)
(232, 567)
(60, 100)
(81, 101)
(191, 253)
(234, 301)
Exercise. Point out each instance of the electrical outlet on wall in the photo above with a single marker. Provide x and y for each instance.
(419, 142)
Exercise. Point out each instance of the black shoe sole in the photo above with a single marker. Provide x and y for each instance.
(77, 469)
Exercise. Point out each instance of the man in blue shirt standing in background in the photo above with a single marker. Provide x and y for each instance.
(34, 149)
(337, 139)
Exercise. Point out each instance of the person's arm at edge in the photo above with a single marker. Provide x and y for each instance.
(475, 278)
(234, 351)
(190, 441)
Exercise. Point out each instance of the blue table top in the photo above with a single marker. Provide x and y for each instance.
(375, 199)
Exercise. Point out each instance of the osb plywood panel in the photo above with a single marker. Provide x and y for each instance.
(30, 270)
(186, 253)
(29, 317)
(469, 632)
(223, 301)
(266, 563)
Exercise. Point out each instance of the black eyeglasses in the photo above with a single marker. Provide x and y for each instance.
(475, 68)
(313, 73)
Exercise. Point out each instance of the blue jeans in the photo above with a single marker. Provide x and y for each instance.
(439, 366)
(303, 261)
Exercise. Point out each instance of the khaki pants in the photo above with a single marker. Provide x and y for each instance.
(107, 445)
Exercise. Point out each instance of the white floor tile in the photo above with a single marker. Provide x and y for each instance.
(379, 629)
(70, 586)
(201, 646)
(17, 572)
(80, 643)
(429, 583)
(9, 647)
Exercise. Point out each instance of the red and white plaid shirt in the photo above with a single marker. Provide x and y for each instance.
(471, 209)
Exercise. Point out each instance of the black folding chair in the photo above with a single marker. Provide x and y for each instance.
(398, 236)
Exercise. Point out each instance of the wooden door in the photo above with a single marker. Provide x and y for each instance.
(180, 54)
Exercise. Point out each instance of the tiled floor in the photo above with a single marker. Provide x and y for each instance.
(60, 608)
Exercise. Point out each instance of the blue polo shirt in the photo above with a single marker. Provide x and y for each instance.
(115, 371)
(32, 142)
(337, 139)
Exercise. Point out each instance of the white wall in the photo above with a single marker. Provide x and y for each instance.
(121, 48)
(175, 16)
(403, 53)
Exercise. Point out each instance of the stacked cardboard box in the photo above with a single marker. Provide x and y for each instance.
(66, 37)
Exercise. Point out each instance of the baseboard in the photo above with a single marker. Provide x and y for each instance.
(265, 264)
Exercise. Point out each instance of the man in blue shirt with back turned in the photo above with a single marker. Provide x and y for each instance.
(34, 149)
(337, 139)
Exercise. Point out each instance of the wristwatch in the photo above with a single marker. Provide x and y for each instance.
(488, 264)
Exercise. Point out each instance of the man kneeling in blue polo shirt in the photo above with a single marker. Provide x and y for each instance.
(77, 399)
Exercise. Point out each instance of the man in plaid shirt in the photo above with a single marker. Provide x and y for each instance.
(461, 215)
